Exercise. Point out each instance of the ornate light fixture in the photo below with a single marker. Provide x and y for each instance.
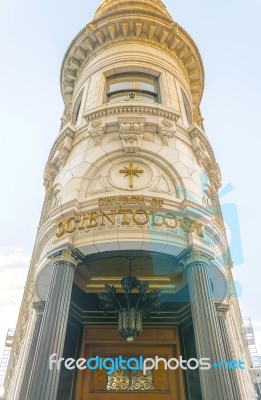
(136, 308)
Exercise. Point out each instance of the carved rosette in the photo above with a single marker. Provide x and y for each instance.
(131, 133)
(167, 131)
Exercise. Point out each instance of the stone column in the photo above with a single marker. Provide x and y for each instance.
(215, 383)
(39, 309)
(222, 310)
(44, 381)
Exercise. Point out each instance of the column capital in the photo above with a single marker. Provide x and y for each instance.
(66, 254)
(192, 255)
(39, 307)
(222, 310)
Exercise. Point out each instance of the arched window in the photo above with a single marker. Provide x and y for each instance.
(187, 107)
(133, 87)
(76, 108)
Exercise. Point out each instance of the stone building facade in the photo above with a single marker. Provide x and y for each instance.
(131, 174)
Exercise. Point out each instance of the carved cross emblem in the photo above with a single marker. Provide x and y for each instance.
(131, 171)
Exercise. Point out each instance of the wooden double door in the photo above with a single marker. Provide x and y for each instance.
(130, 383)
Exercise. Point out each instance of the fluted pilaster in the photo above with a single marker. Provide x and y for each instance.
(215, 383)
(44, 381)
(39, 309)
(222, 310)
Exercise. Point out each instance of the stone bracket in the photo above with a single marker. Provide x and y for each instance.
(167, 131)
(131, 133)
(97, 134)
(214, 175)
(50, 173)
(201, 148)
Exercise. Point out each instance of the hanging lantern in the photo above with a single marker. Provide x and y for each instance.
(135, 309)
(130, 323)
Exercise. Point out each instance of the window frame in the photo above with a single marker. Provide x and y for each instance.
(77, 107)
(187, 107)
(155, 95)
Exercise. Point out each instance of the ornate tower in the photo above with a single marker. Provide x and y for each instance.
(131, 176)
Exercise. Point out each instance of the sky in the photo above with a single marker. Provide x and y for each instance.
(34, 36)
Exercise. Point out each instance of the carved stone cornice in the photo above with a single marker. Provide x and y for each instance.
(116, 108)
(149, 26)
(66, 254)
(192, 256)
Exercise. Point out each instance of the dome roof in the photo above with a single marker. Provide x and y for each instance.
(111, 6)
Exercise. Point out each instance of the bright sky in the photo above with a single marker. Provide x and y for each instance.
(34, 37)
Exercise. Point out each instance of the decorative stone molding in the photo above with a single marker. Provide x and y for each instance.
(97, 123)
(164, 33)
(222, 310)
(97, 134)
(62, 147)
(214, 175)
(131, 133)
(194, 256)
(66, 254)
(115, 109)
(167, 123)
(62, 152)
(201, 146)
(50, 173)
(39, 307)
(97, 131)
(167, 131)
(67, 115)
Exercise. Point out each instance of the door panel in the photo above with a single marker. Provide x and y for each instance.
(160, 384)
